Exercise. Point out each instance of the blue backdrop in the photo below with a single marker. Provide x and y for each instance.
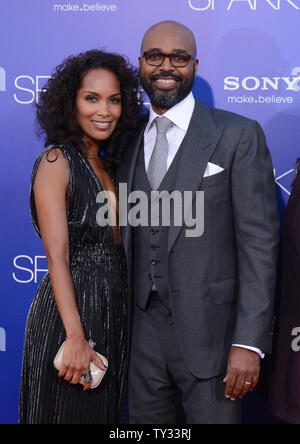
(249, 64)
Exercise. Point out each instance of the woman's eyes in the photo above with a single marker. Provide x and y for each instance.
(115, 100)
(93, 99)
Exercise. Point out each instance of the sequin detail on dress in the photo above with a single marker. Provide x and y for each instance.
(99, 273)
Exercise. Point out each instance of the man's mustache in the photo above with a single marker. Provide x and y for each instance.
(167, 75)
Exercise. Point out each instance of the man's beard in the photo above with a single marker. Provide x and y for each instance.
(162, 100)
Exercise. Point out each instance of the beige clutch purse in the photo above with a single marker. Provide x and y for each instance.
(96, 373)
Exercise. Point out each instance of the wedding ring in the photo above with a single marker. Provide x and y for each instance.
(248, 383)
(92, 343)
(88, 376)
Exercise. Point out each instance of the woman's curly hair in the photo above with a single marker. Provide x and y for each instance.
(56, 107)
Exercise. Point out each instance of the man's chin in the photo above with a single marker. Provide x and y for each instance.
(165, 98)
(164, 101)
(166, 91)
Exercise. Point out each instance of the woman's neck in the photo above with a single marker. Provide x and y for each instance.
(92, 148)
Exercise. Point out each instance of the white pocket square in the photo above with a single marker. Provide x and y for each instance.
(212, 169)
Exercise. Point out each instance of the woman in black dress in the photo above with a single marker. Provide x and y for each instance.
(285, 388)
(89, 112)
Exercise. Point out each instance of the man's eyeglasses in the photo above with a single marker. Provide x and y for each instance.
(177, 60)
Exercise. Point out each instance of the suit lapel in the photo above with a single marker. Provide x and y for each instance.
(197, 148)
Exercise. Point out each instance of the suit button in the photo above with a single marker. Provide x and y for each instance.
(153, 247)
(153, 231)
(154, 262)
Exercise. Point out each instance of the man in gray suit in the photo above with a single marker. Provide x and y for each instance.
(202, 307)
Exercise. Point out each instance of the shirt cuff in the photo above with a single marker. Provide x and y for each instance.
(256, 350)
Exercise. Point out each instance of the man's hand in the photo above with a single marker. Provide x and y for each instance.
(242, 373)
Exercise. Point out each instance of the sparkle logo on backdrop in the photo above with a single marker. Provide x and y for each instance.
(2, 340)
(284, 176)
(27, 268)
(2, 79)
(28, 88)
(250, 5)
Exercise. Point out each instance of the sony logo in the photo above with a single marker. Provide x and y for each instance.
(252, 83)
(252, 5)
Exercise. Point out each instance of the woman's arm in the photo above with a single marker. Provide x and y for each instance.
(50, 198)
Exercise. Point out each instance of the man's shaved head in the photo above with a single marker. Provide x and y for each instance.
(184, 36)
(166, 84)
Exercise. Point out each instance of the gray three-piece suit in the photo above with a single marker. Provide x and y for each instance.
(212, 291)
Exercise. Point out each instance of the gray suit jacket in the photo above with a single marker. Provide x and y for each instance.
(222, 284)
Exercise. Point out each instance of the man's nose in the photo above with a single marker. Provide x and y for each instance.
(166, 65)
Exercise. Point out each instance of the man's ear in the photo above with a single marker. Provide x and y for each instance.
(140, 62)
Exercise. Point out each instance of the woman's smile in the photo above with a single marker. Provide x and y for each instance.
(102, 126)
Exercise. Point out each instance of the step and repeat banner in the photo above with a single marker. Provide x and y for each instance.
(249, 64)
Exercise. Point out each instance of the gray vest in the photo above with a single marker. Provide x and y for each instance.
(151, 242)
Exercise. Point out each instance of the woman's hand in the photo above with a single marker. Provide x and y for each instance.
(77, 356)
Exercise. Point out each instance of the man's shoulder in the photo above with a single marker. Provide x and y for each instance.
(224, 118)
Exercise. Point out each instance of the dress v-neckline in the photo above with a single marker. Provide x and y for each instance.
(100, 186)
(96, 178)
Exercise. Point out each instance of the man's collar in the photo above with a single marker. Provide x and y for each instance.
(180, 114)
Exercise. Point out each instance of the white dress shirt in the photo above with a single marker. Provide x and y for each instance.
(180, 115)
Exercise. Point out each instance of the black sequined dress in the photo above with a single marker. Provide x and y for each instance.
(99, 273)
